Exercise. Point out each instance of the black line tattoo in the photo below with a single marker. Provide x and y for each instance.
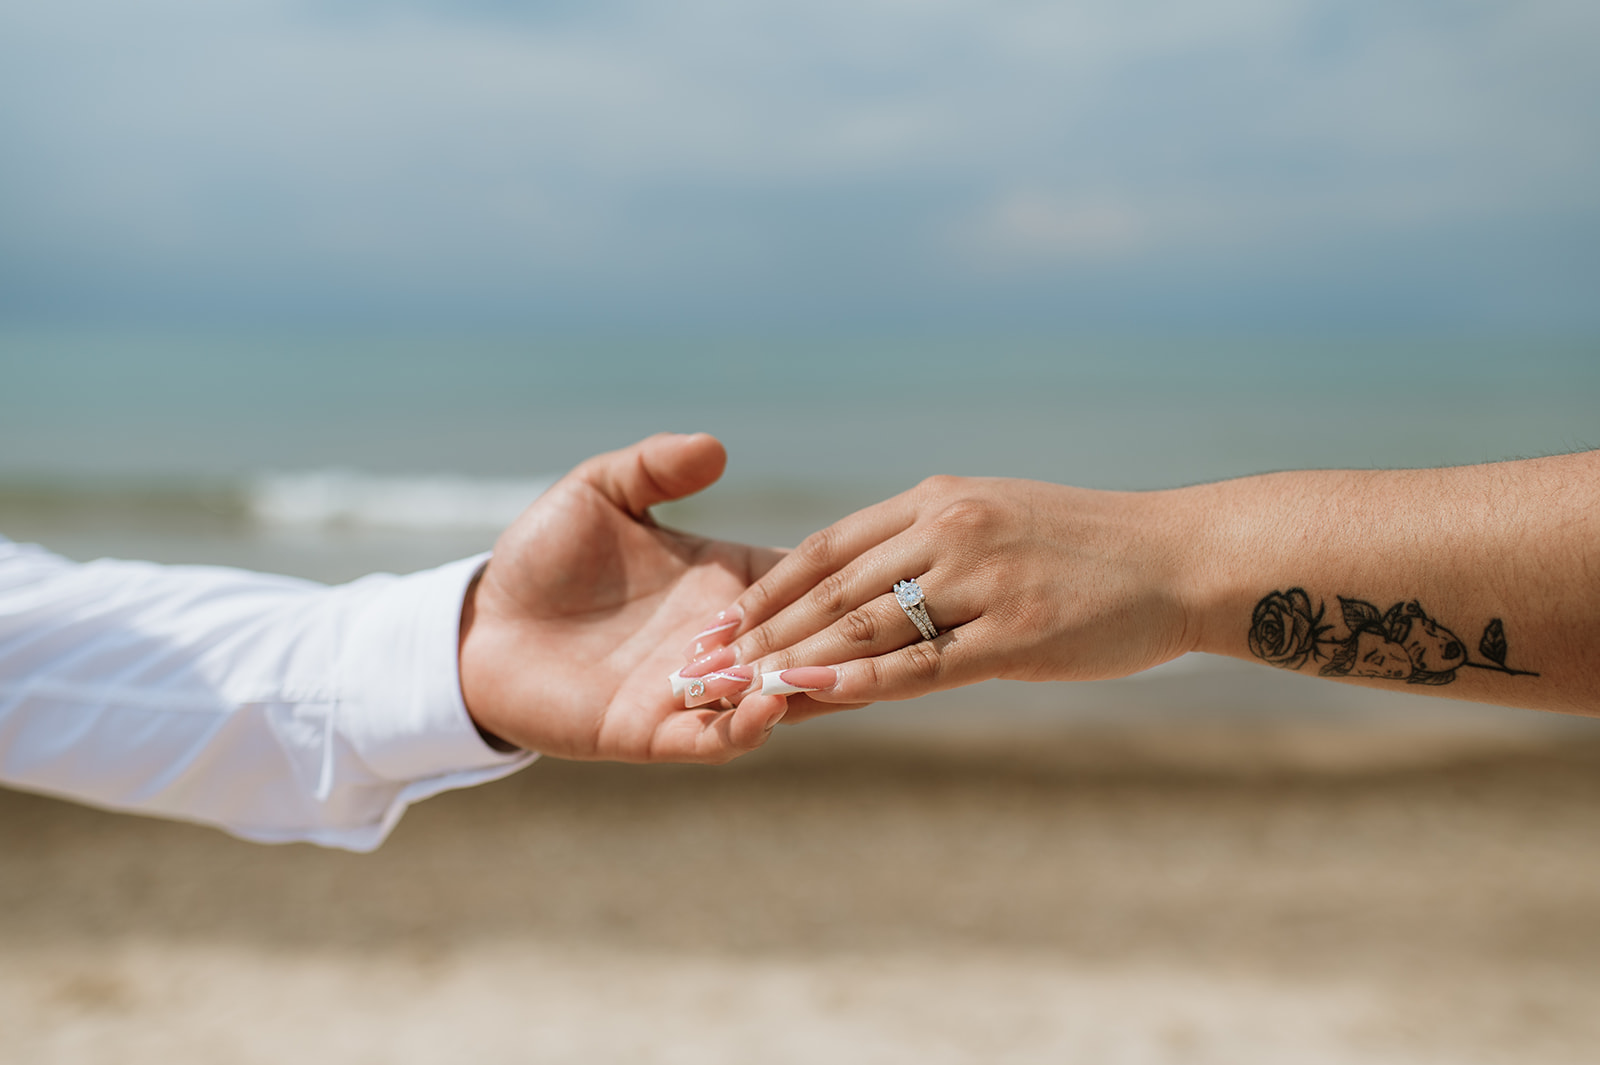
(1401, 643)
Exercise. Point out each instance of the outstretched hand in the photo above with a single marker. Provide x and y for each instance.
(585, 608)
(1025, 580)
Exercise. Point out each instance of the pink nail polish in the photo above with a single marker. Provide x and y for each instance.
(721, 658)
(717, 632)
(800, 679)
(718, 685)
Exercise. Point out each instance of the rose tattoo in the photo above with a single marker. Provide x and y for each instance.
(1284, 631)
(1402, 643)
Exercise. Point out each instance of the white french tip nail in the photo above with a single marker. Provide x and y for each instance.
(773, 684)
(678, 683)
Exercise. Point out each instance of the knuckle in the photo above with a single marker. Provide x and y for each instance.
(966, 517)
(940, 484)
(924, 663)
(820, 549)
(757, 599)
(757, 643)
(774, 659)
(830, 596)
(872, 675)
(860, 626)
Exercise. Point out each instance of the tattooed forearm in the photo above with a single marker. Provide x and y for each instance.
(1401, 643)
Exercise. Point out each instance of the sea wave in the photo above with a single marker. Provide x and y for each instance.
(347, 498)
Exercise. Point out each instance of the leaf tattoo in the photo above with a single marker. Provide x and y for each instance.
(1359, 613)
(1493, 644)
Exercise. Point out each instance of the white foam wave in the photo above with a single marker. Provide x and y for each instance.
(345, 498)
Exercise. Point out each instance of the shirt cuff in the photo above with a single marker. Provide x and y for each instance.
(400, 704)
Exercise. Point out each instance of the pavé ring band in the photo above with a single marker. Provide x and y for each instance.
(909, 595)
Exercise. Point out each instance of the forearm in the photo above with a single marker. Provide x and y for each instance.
(1405, 574)
(277, 709)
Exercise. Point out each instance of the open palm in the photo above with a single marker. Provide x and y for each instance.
(584, 610)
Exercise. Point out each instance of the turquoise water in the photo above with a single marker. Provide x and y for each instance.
(219, 444)
(1104, 411)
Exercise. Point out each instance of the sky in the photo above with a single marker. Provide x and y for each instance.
(1114, 164)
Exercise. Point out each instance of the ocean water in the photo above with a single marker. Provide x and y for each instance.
(335, 455)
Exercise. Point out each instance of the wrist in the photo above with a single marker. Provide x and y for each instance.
(472, 696)
(1253, 535)
(1203, 531)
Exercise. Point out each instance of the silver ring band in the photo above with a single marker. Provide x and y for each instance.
(909, 595)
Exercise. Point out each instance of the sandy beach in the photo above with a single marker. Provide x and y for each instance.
(1199, 892)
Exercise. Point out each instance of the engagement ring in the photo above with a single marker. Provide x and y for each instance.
(909, 595)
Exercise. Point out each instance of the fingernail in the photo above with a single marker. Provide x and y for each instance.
(802, 679)
(721, 658)
(698, 691)
(718, 631)
(777, 716)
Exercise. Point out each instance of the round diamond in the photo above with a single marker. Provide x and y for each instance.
(909, 593)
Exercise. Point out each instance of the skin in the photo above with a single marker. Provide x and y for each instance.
(587, 604)
(1036, 581)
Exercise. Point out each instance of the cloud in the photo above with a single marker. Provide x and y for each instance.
(807, 158)
(1020, 228)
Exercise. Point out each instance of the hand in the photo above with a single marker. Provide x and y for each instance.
(569, 634)
(1024, 580)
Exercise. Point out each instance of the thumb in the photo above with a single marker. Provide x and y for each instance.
(659, 468)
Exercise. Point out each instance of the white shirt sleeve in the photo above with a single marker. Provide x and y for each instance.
(275, 708)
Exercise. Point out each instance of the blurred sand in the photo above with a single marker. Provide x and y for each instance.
(1208, 892)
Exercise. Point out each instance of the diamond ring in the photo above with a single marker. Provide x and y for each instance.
(909, 595)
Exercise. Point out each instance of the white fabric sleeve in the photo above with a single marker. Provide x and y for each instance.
(277, 709)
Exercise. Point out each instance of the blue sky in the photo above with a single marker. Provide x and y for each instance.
(1140, 164)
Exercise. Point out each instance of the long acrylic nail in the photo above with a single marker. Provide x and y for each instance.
(711, 661)
(717, 632)
(721, 658)
(698, 691)
(800, 679)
